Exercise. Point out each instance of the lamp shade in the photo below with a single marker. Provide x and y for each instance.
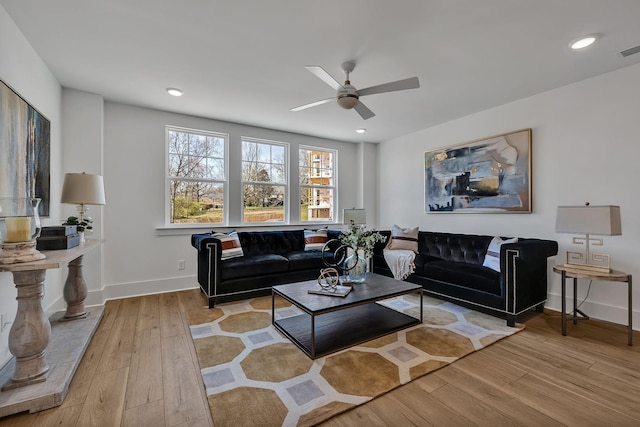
(83, 188)
(603, 220)
(357, 216)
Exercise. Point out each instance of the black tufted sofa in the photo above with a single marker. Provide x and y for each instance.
(449, 266)
(270, 258)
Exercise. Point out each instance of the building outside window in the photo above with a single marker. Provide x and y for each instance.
(196, 176)
(264, 181)
(317, 184)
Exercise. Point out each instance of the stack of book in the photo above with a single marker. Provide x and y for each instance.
(338, 291)
(58, 237)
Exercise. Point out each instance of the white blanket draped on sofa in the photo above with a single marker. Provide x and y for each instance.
(401, 262)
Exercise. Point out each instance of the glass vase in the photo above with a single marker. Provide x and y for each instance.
(19, 219)
(356, 267)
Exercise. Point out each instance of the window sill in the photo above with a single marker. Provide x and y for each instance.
(204, 228)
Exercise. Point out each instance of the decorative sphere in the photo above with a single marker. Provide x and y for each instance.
(329, 278)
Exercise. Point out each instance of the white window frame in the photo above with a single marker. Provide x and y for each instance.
(285, 185)
(224, 181)
(333, 187)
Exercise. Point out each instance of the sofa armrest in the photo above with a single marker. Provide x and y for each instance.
(523, 266)
(209, 261)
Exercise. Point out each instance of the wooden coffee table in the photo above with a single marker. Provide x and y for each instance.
(332, 323)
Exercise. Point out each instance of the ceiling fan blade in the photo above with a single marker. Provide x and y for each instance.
(312, 104)
(364, 112)
(324, 76)
(411, 83)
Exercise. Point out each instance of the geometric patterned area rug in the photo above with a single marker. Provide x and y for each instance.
(256, 377)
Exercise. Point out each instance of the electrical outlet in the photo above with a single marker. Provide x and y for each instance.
(180, 264)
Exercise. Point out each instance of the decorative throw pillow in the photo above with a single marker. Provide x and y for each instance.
(404, 238)
(492, 258)
(314, 240)
(231, 247)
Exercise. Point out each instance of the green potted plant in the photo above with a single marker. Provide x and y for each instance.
(81, 226)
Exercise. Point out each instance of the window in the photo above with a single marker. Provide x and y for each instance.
(197, 176)
(264, 181)
(317, 184)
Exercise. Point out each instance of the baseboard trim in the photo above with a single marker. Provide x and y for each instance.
(134, 289)
(597, 310)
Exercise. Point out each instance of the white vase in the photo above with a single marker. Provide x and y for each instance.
(81, 234)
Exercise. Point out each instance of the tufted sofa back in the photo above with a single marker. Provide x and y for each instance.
(278, 242)
(467, 248)
(271, 242)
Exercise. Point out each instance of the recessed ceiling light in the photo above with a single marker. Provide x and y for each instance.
(173, 91)
(583, 42)
(361, 130)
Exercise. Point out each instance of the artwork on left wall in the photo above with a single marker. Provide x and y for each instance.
(25, 142)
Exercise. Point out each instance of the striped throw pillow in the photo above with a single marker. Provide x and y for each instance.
(492, 258)
(404, 238)
(231, 247)
(314, 240)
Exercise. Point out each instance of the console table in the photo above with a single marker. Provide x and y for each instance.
(575, 274)
(31, 333)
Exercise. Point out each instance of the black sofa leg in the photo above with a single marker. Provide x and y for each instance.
(540, 307)
(511, 320)
(212, 302)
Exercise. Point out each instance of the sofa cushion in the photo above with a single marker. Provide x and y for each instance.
(230, 244)
(492, 258)
(423, 260)
(464, 274)
(307, 260)
(255, 265)
(314, 240)
(403, 238)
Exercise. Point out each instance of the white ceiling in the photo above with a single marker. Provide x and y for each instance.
(243, 60)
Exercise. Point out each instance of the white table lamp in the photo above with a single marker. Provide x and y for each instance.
(355, 216)
(83, 189)
(599, 220)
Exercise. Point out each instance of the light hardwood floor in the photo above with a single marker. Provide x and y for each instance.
(140, 370)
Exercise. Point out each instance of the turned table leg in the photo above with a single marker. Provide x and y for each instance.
(30, 332)
(75, 291)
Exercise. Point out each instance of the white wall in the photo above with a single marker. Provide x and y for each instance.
(367, 181)
(82, 151)
(139, 255)
(586, 147)
(22, 69)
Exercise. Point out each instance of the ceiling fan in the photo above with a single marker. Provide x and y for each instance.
(348, 96)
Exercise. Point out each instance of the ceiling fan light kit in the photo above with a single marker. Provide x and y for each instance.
(347, 101)
(348, 97)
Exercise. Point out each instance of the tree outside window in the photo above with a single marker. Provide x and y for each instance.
(264, 181)
(196, 176)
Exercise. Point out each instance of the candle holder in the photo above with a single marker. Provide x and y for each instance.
(19, 228)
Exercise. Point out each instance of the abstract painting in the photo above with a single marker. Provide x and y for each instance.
(491, 175)
(24, 150)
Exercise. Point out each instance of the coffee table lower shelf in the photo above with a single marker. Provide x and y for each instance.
(341, 329)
